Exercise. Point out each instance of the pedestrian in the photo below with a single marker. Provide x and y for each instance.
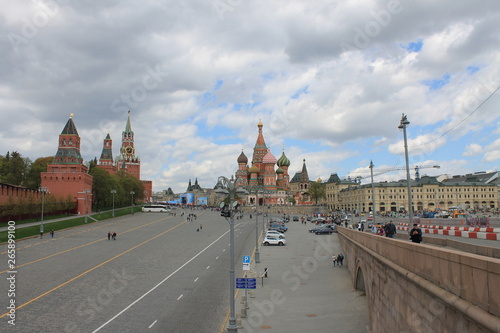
(340, 259)
(374, 229)
(334, 259)
(52, 233)
(201, 226)
(114, 236)
(416, 234)
(41, 234)
(109, 235)
(390, 230)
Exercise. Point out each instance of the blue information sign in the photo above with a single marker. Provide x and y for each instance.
(246, 283)
(245, 259)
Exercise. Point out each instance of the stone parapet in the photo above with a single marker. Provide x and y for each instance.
(421, 288)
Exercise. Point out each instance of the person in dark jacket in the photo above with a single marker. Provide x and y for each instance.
(390, 230)
(416, 234)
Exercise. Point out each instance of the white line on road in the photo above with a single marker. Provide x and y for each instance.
(159, 284)
(196, 279)
(208, 266)
(216, 257)
(154, 322)
(178, 298)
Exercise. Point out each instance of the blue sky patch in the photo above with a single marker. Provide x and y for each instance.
(301, 91)
(436, 84)
(414, 46)
(472, 69)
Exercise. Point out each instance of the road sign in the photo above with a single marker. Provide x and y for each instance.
(246, 267)
(246, 283)
(245, 259)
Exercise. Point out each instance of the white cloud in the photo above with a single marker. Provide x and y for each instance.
(279, 62)
(472, 150)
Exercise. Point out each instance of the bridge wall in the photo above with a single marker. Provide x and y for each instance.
(420, 288)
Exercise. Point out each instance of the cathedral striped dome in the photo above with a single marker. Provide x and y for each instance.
(283, 161)
(242, 159)
(269, 158)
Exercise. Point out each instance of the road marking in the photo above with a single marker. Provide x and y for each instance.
(208, 266)
(178, 298)
(91, 269)
(216, 257)
(159, 284)
(154, 322)
(196, 279)
(80, 246)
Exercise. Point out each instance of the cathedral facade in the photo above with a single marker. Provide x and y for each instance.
(268, 176)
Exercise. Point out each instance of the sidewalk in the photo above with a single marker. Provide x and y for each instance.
(303, 291)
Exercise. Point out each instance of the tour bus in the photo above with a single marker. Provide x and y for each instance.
(155, 208)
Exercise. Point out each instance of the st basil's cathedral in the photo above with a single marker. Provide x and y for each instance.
(274, 185)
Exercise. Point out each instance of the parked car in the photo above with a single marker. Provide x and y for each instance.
(279, 227)
(296, 218)
(273, 240)
(274, 233)
(321, 227)
(325, 230)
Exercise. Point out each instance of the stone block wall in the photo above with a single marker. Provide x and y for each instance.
(421, 288)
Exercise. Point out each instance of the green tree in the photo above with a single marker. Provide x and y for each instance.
(101, 187)
(130, 183)
(33, 179)
(317, 191)
(14, 169)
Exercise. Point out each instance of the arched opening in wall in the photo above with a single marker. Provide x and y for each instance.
(360, 281)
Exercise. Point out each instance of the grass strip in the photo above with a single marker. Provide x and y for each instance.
(34, 230)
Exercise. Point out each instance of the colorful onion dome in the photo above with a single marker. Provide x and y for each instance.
(283, 161)
(253, 169)
(280, 171)
(242, 159)
(269, 158)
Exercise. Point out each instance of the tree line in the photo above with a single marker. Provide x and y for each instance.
(21, 171)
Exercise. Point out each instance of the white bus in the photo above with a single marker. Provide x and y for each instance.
(155, 208)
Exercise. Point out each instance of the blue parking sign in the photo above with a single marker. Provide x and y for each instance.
(245, 259)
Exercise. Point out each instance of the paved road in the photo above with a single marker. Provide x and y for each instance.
(159, 275)
(303, 291)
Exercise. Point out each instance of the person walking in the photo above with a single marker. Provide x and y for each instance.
(416, 234)
(340, 259)
(334, 259)
(52, 233)
(114, 236)
(390, 230)
(109, 235)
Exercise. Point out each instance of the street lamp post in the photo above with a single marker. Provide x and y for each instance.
(229, 186)
(86, 192)
(257, 253)
(132, 202)
(113, 192)
(43, 190)
(403, 124)
(373, 193)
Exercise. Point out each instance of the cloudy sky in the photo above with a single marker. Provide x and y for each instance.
(329, 80)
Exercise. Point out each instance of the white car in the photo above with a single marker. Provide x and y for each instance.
(274, 240)
(275, 233)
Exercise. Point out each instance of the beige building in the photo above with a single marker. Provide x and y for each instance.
(479, 191)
